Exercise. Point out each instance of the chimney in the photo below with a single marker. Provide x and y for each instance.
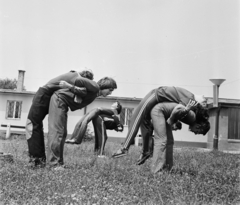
(20, 81)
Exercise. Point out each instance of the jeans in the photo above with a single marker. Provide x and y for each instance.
(163, 142)
(57, 130)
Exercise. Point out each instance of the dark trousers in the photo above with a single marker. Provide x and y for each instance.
(34, 125)
(100, 135)
(141, 117)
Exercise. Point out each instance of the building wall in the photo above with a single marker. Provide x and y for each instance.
(26, 102)
(183, 137)
(223, 143)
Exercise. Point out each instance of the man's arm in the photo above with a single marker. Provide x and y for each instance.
(90, 85)
(79, 91)
(182, 113)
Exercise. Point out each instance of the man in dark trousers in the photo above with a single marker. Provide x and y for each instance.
(141, 114)
(103, 119)
(79, 83)
(60, 102)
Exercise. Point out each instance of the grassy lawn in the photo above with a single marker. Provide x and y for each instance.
(198, 178)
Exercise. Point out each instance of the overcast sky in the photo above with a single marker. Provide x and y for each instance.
(143, 44)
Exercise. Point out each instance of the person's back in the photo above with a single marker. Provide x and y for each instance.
(173, 94)
(53, 84)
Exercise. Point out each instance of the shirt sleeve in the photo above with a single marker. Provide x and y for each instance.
(90, 85)
(79, 91)
(182, 114)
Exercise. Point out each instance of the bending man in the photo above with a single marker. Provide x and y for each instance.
(164, 116)
(60, 102)
(102, 119)
(141, 114)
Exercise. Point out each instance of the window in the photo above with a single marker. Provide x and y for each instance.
(14, 109)
(234, 123)
(126, 115)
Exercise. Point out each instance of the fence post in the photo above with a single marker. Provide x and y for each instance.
(8, 131)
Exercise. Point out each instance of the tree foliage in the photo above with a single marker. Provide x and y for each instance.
(8, 83)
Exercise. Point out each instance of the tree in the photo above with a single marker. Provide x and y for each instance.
(8, 84)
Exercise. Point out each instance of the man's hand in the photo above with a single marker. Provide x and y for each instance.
(120, 128)
(80, 88)
(191, 104)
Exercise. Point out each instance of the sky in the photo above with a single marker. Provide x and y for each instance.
(142, 44)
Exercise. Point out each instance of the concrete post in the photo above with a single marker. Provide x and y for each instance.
(8, 131)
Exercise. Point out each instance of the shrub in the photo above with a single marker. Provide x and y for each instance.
(88, 135)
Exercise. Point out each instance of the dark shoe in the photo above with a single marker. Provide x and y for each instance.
(143, 157)
(120, 153)
(71, 141)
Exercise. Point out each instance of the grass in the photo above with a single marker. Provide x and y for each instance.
(198, 178)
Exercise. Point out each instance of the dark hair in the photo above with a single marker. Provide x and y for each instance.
(107, 83)
(119, 107)
(86, 74)
(179, 125)
(202, 113)
(203, 127)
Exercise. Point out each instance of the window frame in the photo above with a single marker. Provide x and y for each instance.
(128, 111)
(14, 110)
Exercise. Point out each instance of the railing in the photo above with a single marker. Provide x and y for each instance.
(8, 128)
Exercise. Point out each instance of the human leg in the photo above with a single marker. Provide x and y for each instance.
(57, 130)
(100, 135)
(160, 139)
(147, 132)
(76, 132)
(169, 150)
(139, 113)
(81, 127)
(34, 127)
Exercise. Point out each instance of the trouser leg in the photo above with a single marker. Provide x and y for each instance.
(81, 127)
(169, 150)
(162, 132)
(147, 132)
(139, 113)
(76, 135)
(100, 135)
(57, 130)
(34, 127)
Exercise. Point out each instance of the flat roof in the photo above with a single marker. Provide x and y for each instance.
(210, 99)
